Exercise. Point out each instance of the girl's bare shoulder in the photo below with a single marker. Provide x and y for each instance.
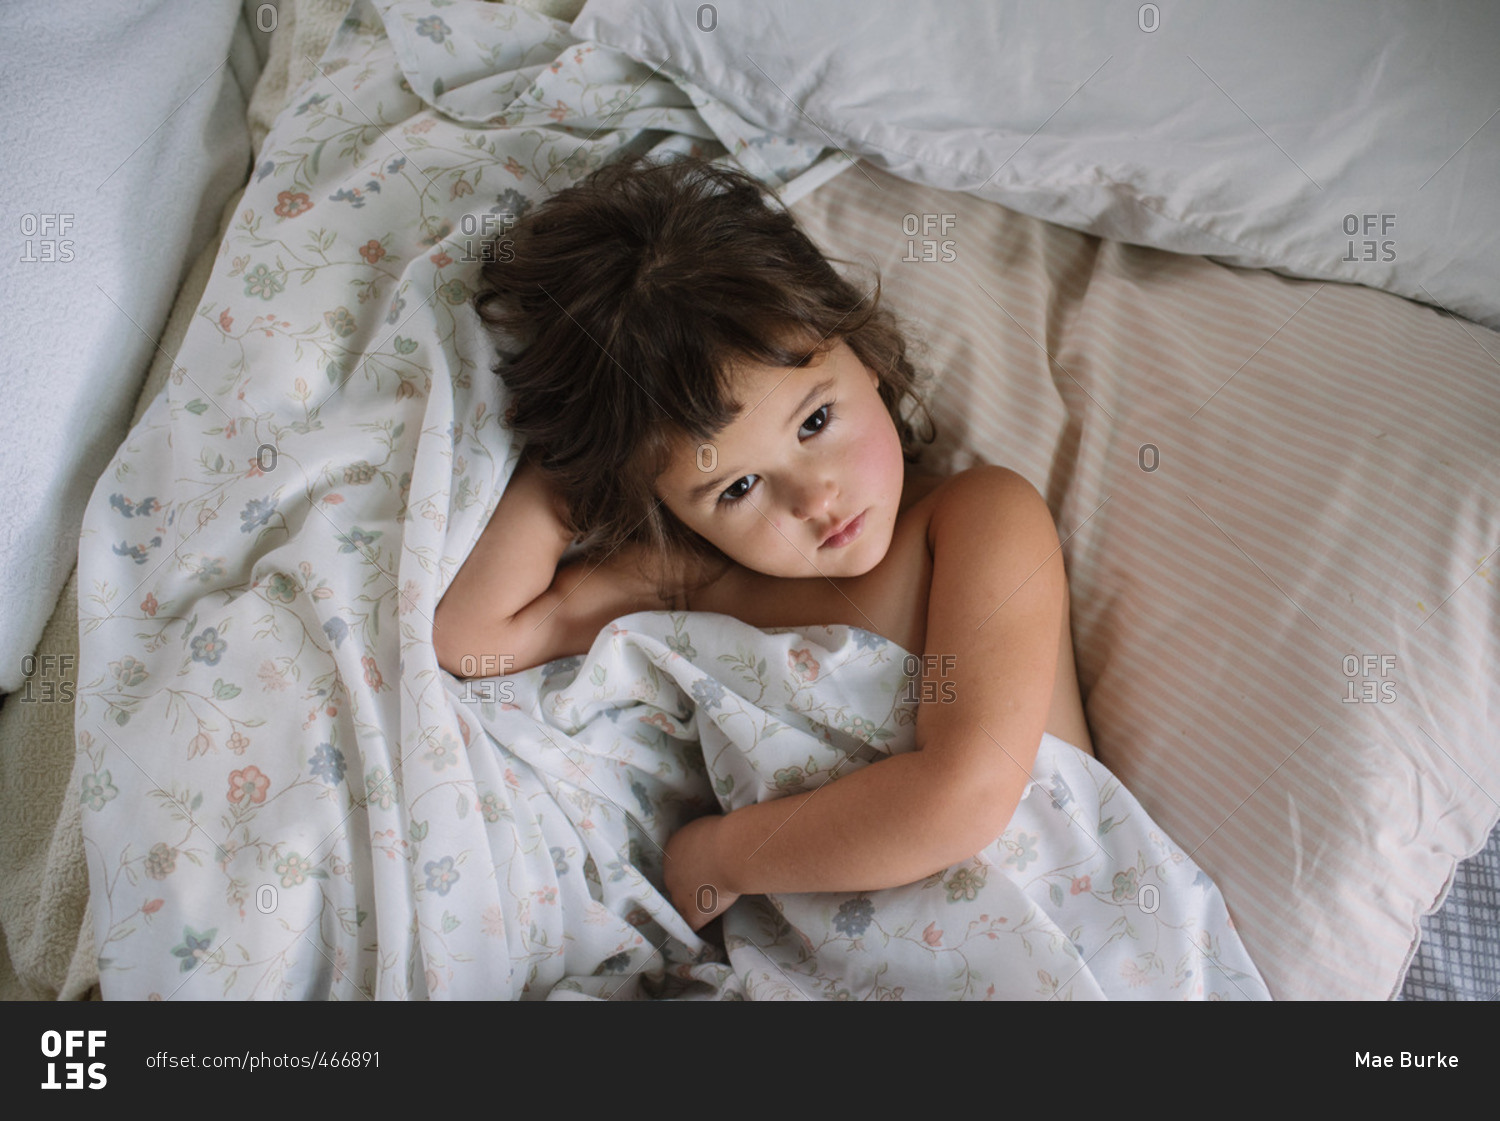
(979, 495)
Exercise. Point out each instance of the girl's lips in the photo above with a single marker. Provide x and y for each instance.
(847, 534)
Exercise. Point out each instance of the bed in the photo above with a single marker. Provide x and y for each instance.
(1247, 353)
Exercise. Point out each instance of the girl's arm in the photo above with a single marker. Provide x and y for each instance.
(510, 607)
(513, 562)
(995, 609)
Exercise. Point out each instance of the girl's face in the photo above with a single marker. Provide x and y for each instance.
(806, 481)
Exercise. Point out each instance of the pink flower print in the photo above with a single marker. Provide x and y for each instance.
(803, 664)
(372, 674)
(289, 204)
(1080, 885)
(932, 935)
(249, 784)
(492, 921)
(226, 321)
(661, 721)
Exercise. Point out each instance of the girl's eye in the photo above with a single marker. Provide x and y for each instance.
(738, 489)
(810, 427)
(817, 422)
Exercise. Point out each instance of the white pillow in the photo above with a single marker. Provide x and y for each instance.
(1341, 141)
(125, 137)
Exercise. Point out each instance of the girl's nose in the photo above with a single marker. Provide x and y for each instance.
(813, 499)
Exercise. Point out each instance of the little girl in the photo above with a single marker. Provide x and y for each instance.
(721, 419)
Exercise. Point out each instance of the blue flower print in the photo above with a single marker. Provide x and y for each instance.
(562, 665)
(208, 647)
(337, 630)
(328, 764)
(683, 647)
(1022, 851)
(195, 948)
(864, 640)
(510, 207)
(433, 27)
(642, 798)
(95, 790)
(357, 537)
(708, 692)
(441, 875)
(257, 512)
(352, 195)
(311, 103)
(559, 863)
(854, 917)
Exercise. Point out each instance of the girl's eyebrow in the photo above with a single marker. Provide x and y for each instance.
(700, 493)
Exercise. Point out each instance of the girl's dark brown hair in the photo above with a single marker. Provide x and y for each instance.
(630, 297)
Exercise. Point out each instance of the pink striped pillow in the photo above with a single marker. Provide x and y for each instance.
(1278, 506)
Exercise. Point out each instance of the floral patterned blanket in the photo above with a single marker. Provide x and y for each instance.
(286, 797)
(601, 758)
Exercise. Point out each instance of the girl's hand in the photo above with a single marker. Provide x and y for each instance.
(695, 884)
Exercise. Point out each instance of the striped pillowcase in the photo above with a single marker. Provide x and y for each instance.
(1279, 513)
